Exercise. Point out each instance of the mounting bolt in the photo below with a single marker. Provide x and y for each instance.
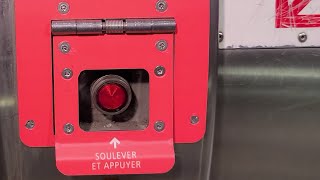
(160, 71)
(67, 73)
(63, 7)
(161, 5)
(64, 47)
(30, 124)
(68, 128)
(220, 36)
(159, 126)
(162, 45)
(194, 119)
(302, 37)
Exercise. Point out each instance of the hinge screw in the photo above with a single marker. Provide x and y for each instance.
(162, 45)
(159, 126)
(194, 119)
(220, 36)
(67, 73)
(161, 6)
(63, 7)
(160, 71)
(64, 47)
(302, 37)
(68, 128)
(30, 124)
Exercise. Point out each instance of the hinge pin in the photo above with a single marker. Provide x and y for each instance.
(118, 26)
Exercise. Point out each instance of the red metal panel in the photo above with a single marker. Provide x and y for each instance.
(80, 153)
(34, 71)
(34, 61)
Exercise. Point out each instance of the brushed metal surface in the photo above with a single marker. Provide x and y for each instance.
(18, 162)
(268, 109)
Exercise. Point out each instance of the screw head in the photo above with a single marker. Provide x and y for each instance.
(63, 7)
(162, 45)
(67, 73)
(64, 47)
(302, 37)
(30, 124)
(161, 5)
(159, 71)
(194, 119)
(68, 128)
(220, 36)
(159, 126)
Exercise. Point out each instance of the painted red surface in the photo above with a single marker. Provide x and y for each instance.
(51, 101)
(76, 152)
(287, 15)
(34, 60)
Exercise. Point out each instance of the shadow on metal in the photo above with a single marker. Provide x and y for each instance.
(268, 109)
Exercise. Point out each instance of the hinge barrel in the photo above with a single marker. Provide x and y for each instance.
(113, 26)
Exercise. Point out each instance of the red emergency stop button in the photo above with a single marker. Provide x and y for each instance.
(111, 94)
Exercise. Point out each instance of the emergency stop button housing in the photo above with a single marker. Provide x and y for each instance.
(119, 85)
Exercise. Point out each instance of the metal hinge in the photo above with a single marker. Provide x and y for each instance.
(113, 26)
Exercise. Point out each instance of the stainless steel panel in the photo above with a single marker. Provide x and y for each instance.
(267, 124)
(19, 162)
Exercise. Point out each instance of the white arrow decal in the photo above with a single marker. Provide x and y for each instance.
(115, 142)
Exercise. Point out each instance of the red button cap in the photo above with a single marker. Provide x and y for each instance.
(111, 97)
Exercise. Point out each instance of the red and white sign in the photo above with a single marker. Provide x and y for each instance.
(297, 13)
(269, 23)
(113, 152)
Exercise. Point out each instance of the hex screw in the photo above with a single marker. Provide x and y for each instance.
(162, 45)
(159, 126)
(67, 73)
(63, 8)
(302, 37)
(220, 36)
(161, 6)
(30, 124)
(159, 71)
(194, 119)
(64, 47)
(68, 128)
